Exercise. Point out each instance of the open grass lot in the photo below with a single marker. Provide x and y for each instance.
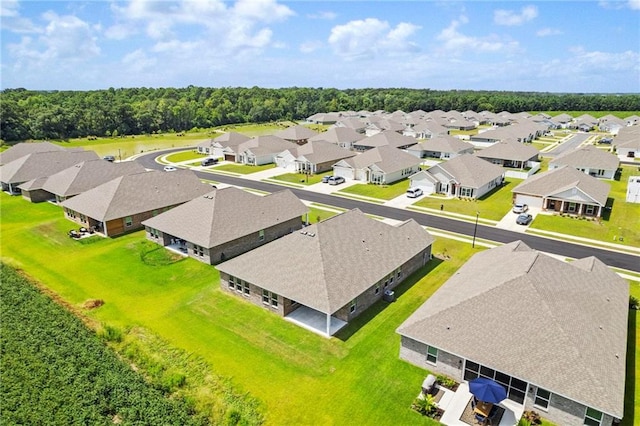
(242, 169)
(185, 156)
(301, 178)
(493, 205)
(382, 192)
(300, 377)
(623, 220)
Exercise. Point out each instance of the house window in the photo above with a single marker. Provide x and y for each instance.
(376, 290)
(266, 297)
(261, 235)
(353, 306)
(589, 209)
(542, 398)
(572, 207)
(432, 354)
(128, 221)
(238, 285)
(600, 172)
(232, 282)
(466, 192)
(592, 417)
(247, 290)
(274, 300)
(198, 251)
(399, 273)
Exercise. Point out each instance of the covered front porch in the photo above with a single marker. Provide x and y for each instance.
(573, 207)
(316, 321)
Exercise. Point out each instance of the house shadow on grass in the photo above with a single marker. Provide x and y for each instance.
(494, 190)
(357, 323)
(630, 385)
(606, 212)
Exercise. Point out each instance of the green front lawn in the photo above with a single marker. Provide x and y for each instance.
(317, 215)
(301, 178)
(382, 192)
(242, 169)
(492, 206)
(184, 156)
(623, 220)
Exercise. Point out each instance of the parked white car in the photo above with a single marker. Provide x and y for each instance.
(169, 169)
(414, 192)
(520, 208)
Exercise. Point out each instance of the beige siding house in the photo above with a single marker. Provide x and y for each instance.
(590, 160)
(555, 333)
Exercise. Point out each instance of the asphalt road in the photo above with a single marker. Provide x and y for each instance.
(611, 258)
(569, 145)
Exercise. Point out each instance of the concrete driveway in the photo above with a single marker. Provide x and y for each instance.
(509, 220)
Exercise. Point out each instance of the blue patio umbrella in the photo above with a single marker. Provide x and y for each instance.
(487, 390)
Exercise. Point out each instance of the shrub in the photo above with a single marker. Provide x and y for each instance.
(425, 405)
(634, 303)
(110, 333)
(445, 381)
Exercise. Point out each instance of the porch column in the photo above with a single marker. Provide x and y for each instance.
(562, 207)
(329, 325)
(599, 211)
(581, 209)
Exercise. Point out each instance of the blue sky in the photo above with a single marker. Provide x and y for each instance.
(556, 46)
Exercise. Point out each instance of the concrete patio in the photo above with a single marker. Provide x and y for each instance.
(454, 403)
(315, 321)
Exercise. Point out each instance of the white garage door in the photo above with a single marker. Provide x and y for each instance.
(529, 200)
(345, 172)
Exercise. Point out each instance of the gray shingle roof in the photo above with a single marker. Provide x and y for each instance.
(386, 158)
(387, 138)
(24, 148)
(338, 135)
(509, 150)
(86, 175)
(296, 133)
(328, 264)
(469, 170)
(442, 144)
(137, 193)
(562, 179)
(587, 157)
(561, 326)
(227, 214)
(42, 164)
(322, 152)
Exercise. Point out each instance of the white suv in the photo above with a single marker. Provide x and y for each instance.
(520, 208)
(414, 192)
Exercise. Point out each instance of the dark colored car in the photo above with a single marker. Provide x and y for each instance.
(524, 219)
(209, 161)
(109, 158)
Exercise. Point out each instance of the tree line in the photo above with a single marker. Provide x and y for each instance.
(28, 114)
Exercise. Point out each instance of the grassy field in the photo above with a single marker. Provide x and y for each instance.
(623, 220)
(242, 169)
(382, 192)
(492, 206)
(184, 156)
(301, 178)
(281, 364)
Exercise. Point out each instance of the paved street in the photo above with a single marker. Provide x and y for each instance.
(574, 142)
(492, 233)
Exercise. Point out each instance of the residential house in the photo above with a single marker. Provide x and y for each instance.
(585, 123)
(384, 138)
(590, 160)
(562, 119)
(225, 223)
(563, 190)
(554, 332)
(464, 176)
(441, 147)
(122, 204)
(77, 179)
(627, 142)
(524, 132)
(25, 148)
(610, 123)
(297, 134)
(426, 130)
(381, 165)
(378, 125)
(344, 137)
(262, 150)
(38, 166)
(324, 118)
(354, 123)
(224, 146)
(512, 155)
(312, 157)
(633, 189)
(330, 272)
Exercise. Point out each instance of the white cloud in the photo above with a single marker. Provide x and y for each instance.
(596, 60)
(511, 18)
(65, 40)
(617, 5)
(12, 21)
(634, 4)
(139, 62)
(546, 32)
(366, 38)
(329, 16)
(310, 46)
(456, 43)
